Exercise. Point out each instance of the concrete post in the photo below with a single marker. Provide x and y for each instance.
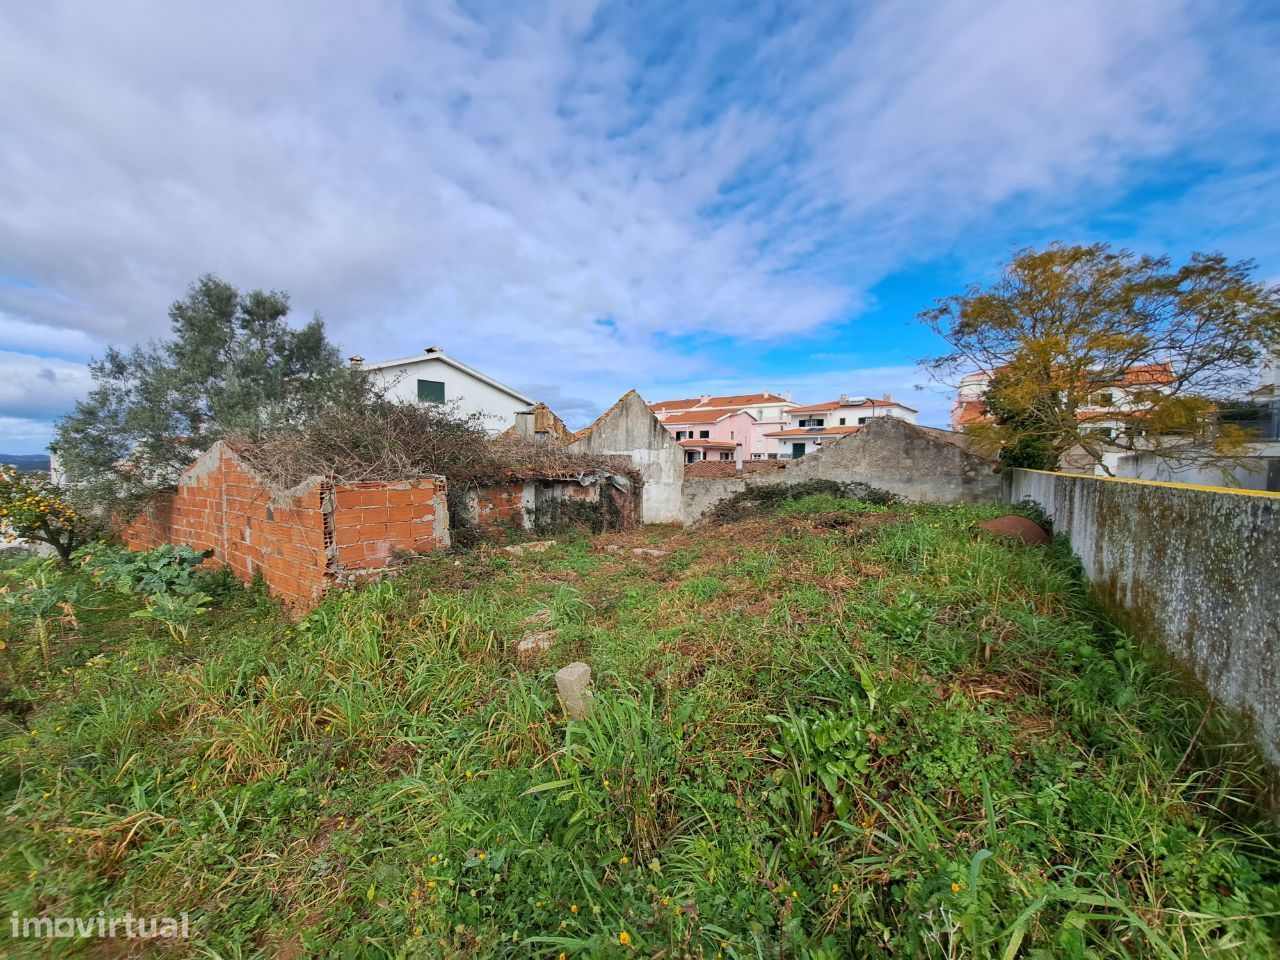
(573, 683)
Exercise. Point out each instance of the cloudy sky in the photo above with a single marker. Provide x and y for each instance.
(578, 198)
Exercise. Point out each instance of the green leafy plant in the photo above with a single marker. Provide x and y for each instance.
(176, 611)
(165, 569)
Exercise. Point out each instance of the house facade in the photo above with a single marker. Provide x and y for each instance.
(724, 428)
(435, 377)
(1115, 408)
(810, 427)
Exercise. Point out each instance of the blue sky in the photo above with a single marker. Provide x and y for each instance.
(580, 198)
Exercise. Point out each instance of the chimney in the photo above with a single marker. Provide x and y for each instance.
(844, 398)
(887, 397)
(788, 396)
(706, 397)
(526, 425)
(433, 350)
(355, 360)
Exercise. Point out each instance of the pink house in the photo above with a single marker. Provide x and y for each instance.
(724, 428)
(712, 434)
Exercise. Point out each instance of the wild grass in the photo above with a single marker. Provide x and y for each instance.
(839, 730)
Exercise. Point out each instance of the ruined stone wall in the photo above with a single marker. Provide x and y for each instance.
(1193, 568)
(629, 428)
(914, 463)
(301, 540)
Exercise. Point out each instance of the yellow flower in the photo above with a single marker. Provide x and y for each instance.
(624, 938)
(480, 855)
(435, 859)
(47, 795)
(624, 860)
(573, 908)
(469, 774)
(417, 931)
(955, 888)
(431, 884)
(794, 894)
(606, 782)
(835, 888)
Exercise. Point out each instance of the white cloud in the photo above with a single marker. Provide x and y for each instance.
(39, 387)
(420, 176)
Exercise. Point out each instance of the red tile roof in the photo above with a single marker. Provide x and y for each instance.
(970, 411)
(700, 416)
(815, 432)
(836, 404)
(1147, 375)
(711, 468)
(740, 400)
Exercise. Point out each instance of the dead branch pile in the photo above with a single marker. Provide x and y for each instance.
(383, 440)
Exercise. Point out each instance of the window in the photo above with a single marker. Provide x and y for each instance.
(726, 456)
(773, 456)
(730, 434)
(862, 421)
(430, 391)
(682, 434)
(692, 456)
(813, 422)
(1104, 399)
(704, 434)
(842, 421)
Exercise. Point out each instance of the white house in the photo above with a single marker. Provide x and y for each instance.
(435, 377)
(812, 426)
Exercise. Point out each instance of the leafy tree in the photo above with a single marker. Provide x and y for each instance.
(1064, 327)
(33, 508)
(233, 364)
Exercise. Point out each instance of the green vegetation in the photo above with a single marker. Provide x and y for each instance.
(840, 730)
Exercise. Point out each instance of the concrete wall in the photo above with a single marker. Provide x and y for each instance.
(630, 428)
(301, 540)
(915, 463)
(904, 459)
(1196, 569)
(1255, 474)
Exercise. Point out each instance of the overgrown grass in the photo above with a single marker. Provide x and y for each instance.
(841, 730)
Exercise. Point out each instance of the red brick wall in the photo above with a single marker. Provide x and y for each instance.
(499, 506)
(372, 521)
(301, 540)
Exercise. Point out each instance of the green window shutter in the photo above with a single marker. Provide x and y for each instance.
(431, 391)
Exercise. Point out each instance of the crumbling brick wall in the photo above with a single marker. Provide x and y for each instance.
(522, 504)
(500, 505)
(301, 540)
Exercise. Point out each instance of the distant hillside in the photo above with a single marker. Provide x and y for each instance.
(27, 462)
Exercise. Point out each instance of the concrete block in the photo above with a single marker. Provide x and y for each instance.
(648, 553)
(535, 642)
(573, 684)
